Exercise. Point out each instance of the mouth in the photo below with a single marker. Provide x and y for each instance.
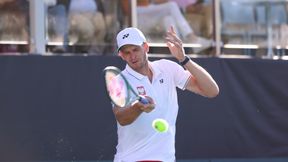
(134, 61)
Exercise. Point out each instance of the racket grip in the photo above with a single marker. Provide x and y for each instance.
(143, 100)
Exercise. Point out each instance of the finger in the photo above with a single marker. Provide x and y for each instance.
(169, 39)
(148, 108)
(170, 45)
(173, 38)
(173, 44)
(172, 29)
(151, 101)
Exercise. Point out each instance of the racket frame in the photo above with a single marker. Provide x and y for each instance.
(128, 99)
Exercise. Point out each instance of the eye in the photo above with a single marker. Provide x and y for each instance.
(136, 49)
(126, 53)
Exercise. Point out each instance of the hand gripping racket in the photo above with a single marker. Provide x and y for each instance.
(118, 88)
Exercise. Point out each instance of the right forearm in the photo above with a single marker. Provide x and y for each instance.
(126, 116)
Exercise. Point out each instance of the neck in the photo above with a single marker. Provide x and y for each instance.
(147, 71)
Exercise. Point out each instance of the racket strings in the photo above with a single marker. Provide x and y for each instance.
(117, 88)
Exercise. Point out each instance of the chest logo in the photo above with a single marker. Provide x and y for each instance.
(161, 81)
(141, 90)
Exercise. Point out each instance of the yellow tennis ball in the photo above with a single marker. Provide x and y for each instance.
(160, 125)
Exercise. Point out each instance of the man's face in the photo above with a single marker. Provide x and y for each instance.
(135, 56)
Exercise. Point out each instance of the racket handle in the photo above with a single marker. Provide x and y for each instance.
(143, 100)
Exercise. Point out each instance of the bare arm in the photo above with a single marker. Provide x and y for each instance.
(128, 115)
(200, 81)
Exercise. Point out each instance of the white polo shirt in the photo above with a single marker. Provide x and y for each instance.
(139, 141)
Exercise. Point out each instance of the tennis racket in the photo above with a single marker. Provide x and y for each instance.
(118, 88)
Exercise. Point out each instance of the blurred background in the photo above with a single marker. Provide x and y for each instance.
(52, 54)
(240, 28)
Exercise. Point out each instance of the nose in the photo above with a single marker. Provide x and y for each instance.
(132, 55)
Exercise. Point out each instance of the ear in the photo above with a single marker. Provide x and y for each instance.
(146, 47)
(120, 54)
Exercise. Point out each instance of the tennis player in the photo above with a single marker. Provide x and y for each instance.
(157, 80)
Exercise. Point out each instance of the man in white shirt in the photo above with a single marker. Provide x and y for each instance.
(157, 81)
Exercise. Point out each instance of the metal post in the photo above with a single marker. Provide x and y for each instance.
(134, 13)
(37, 27)
(270, 52)
(217, 26)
